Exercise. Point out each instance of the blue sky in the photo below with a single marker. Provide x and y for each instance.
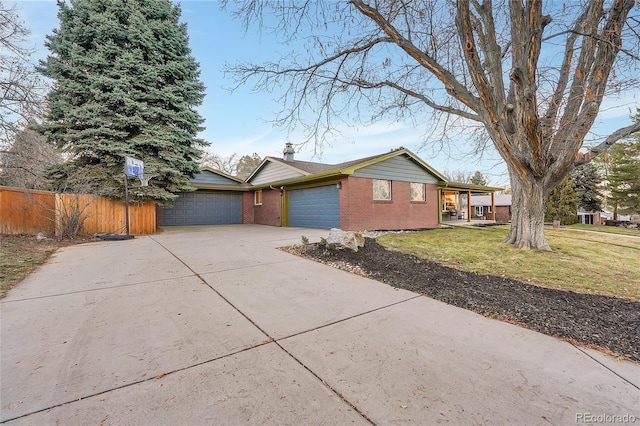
(238, 122)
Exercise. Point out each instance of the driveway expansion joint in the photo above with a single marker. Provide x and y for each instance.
(349, 318)
(606, 367)
(272, 339)
(24, 299)
(137, 382)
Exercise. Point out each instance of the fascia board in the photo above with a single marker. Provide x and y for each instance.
(456, 186)
(218, 172)
(218, 187)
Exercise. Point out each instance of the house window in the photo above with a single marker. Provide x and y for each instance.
(381, 189)
(417, 191)
(449, 201)
(257, 198)
(479, 211)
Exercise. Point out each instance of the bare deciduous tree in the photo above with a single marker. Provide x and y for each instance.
(233, 165)
(224, 164)
(534, 80)
(247, 164)
(20, 86)
(24, 164)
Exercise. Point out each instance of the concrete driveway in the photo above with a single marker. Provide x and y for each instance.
(214, 325)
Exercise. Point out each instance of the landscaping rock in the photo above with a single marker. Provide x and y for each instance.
(345, 239)
(43, 236)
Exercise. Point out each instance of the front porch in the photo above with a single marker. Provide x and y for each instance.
(455, 204)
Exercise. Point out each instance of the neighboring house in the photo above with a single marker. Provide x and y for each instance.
(589, 218)
(395, 190)
(481, 207)
(605, 215)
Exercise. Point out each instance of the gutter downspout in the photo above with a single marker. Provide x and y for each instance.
(439, 206)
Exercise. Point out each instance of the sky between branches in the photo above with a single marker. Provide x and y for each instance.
(239, 122)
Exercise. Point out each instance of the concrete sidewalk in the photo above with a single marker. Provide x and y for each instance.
(214, 325)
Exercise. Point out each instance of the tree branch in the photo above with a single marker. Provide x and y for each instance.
(452, 85)
(607, 143)
(368, 85)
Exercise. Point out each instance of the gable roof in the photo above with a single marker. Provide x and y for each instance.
(304, 167)
(308, 171)
(219, 173)
(312, 171)
(219, 180)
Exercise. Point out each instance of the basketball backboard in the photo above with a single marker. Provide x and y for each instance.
(133, 166)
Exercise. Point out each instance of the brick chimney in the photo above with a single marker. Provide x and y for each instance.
(288, 152)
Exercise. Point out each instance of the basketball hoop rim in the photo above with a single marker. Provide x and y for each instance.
(144, 179)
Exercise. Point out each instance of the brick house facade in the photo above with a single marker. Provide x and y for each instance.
(391, 191)
(359, 211)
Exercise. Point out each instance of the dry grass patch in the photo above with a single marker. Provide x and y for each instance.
(22, 254)
(587, 262)
(606, 229)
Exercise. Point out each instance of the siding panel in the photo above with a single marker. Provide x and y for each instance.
(212, 178)
(400, 168)
(273, 172)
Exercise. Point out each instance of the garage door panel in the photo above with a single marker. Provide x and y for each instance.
(317, 207)
(204, 208)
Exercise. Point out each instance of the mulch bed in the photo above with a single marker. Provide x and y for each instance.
(606, 323)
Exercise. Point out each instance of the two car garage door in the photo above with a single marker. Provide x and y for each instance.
(204, 208)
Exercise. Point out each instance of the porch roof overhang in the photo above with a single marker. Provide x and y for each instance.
(467, 187)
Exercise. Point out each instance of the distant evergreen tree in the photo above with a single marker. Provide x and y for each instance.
(561, 204)
(586, 182)
(624, 177)
(478, 179)
(125, 84)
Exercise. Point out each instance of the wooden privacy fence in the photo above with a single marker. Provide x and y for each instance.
(29, 212)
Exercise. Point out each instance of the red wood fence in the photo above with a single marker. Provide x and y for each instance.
(29, 212)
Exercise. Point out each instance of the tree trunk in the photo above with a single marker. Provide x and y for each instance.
(527, 217)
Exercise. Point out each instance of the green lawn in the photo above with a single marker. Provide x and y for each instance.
(588, 262)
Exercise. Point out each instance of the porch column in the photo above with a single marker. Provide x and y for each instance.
(440, 206)
(468, 206)
(493, 206)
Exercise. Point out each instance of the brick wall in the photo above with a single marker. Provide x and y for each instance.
(247, 207)
(503, 213)
(269, 212)
(360, 212)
